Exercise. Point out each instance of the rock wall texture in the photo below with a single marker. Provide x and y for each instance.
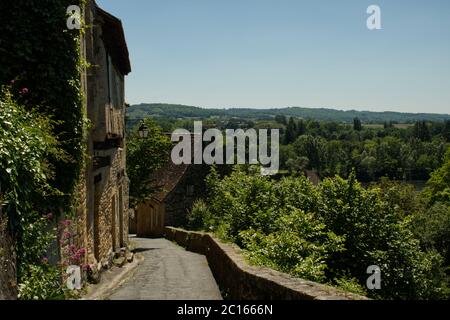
(241, 281)
(112, 210)
(102, 194)
(8, 285)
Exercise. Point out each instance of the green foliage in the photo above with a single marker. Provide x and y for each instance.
(141, 111)
(357, 126)
(421, 131)
(402, 197)
(330, 234)
(144, 157)
(337, 150)
(438, 187)
(199, 217)
(291, 131)
(42, 61)
(312, 148)
(299, 245)
(26, 142)
(350, 285)
(432, 228)
(398, 151)
(41, 283)
(375, 235)
(42, 131)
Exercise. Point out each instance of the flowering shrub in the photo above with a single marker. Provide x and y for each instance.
(71, 254)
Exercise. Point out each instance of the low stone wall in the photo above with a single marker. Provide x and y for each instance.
(240, 281)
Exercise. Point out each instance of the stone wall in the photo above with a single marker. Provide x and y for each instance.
(8, 285)
(82, 236)
(241, 281)
(102, 197)
(112, 206)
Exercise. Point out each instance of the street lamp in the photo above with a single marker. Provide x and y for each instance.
(143, 131)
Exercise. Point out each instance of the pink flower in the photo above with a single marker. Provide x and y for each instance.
(24, 91)
(82, 251)
(66, 223)
(67, 235)
(76, 257)
(49, 216)
(45, 260)
(13, 81)
(85, 267)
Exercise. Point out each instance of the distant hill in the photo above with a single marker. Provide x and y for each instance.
(137, 112)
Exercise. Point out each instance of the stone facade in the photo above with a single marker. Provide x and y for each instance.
(8, 281)
(102, 215)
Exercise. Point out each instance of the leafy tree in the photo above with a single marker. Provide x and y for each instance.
(144, 157)
(297, 165)
(311, 148)
(335, 159)
(281, 119)
(421, 131)
(432, 228)
(291, 131)
(357, 126)
(438, 187)
(301, 127)
(446, 130)
(26, 143)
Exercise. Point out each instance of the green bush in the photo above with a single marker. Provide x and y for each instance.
(199, 217)
(438, 186)
(299, 246)
(432, 228)
(40, 55)
(41, 283)
(331, 233)
(350, 285)
(26, 142)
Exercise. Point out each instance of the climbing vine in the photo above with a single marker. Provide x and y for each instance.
(43, 130)
(39, 54)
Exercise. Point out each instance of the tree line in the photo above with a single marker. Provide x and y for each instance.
(332, 148)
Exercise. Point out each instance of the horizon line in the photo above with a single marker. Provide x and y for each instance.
(287, 107)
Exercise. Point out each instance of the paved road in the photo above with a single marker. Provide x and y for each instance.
(168, 272)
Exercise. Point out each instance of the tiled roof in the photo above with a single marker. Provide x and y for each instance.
(167, 178)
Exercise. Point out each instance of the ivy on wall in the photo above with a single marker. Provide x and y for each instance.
(41, 59)
(42, 132)
(26, 141)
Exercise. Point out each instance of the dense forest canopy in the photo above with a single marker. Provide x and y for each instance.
(395, 150)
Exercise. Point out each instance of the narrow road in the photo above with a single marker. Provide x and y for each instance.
(168, 272)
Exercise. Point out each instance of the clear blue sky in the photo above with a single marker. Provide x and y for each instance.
(277, 53)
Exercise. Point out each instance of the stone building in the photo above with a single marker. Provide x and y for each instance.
(178, 186)
(103, 191)
(101, 218)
